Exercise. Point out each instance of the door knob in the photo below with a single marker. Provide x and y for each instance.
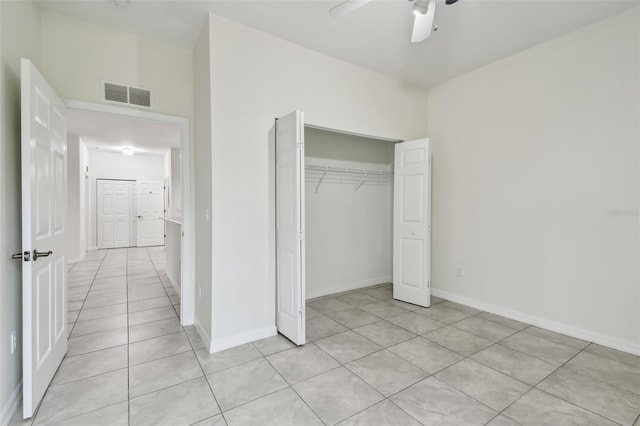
(37, 254)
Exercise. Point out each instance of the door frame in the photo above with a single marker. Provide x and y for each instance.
(272, 218)
(187, 167)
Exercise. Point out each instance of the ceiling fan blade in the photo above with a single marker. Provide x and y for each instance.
(423, 24)
(347, 7)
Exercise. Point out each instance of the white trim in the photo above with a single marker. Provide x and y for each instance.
(77, 259)
(558, 327)
(242, 338)
(311, 294)
(173, 281)
(203, 334)
(348, 133)
(187, 278)
(10, 408)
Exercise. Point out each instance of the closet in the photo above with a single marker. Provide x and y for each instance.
(130, 213)
(116, 219)
(349, 212)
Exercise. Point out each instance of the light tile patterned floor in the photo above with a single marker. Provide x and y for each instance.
(370, 360)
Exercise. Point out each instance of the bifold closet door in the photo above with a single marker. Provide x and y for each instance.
(114, 213)
(290, 272)
(122, 213)
(412, 223)
(106, 215)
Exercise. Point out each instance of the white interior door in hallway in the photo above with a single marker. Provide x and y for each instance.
(116, 211)
(44, 171)
(150, 201)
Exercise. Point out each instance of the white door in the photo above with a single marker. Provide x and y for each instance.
(44, 163)
(412, 223)
(106, 215)
(290, 278)
(114, 213)
(150, 201)
(121, 213)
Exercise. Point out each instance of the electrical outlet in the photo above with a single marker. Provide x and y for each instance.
(14, 342)
(199, 292)
(206, 215)
(460, 271)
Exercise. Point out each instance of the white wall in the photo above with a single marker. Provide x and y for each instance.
(172, 173)
(348, 234)
(83, 201)
(75, 180)
(109, 165)
(536, 184)
(77, 55)
(19, 37)
(176, 184)
(255, 78)
(202, 184)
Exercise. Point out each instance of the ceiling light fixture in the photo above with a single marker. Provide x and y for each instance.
(127, 150)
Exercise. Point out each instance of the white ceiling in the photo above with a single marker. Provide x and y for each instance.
(472, 33)
(111, 133)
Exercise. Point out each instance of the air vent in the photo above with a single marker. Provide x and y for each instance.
(141, 97)
(122, 94)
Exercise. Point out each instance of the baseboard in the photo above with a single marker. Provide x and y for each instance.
(242, 338)
(558, 327)
(313, 293)
(173, 282)
(9, 410)
(77, 259)
(92, 248)
(206, 339)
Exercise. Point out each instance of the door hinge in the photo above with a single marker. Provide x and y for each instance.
(300, 146)
(301, 235)
(301, 310)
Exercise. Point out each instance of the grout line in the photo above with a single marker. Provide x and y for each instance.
(128, 347)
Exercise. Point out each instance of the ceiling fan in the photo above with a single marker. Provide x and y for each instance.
(424, 11)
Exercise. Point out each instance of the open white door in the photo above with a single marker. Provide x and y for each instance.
(290, 279)
(44, 198)
(150, 203)
(412, 223)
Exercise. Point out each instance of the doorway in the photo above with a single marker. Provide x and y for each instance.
(155, 223)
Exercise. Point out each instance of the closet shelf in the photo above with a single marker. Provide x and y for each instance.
(348, 170)
(347, 175)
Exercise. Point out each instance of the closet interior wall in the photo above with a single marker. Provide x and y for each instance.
(349, 212)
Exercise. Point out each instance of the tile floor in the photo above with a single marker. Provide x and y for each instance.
(369, 360)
